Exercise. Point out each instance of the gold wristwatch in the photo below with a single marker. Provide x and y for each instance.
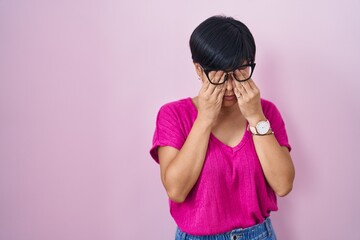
(262, 128)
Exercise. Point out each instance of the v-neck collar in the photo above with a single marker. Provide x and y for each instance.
(237, 147)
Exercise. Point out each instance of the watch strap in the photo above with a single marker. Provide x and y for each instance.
(254, 131)
(268, 133)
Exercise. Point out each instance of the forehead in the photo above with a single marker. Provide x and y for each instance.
(228, 69)
(240, 64)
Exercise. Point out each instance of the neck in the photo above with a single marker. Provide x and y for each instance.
(231, 112)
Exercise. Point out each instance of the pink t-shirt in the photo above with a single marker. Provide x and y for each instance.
(231, 191)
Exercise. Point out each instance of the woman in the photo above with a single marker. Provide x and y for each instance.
(224, 154)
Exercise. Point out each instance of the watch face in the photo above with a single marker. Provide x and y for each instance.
(263, 127)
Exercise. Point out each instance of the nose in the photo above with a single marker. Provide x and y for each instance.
(229, 83)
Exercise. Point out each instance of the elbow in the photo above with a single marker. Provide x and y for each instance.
(175, 193)
(176, 197)
(286, 186)
(178, 200)
(284, 191)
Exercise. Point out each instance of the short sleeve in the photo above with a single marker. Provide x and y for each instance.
(168, 131)
(277, 123)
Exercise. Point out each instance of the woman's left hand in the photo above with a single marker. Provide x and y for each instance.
(248, 95)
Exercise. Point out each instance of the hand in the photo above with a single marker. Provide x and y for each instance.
(248, 95)
(210, 99)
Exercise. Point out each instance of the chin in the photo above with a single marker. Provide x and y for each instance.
(227, 104)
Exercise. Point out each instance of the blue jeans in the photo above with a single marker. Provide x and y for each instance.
(261, 231)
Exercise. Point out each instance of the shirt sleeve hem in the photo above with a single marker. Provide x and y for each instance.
(286, 145)
(155, 147)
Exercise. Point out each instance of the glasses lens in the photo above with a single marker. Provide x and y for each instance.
(217, 77)
(243, 73)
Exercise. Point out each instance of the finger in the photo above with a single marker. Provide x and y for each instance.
(218, 76)
(253, 85)
(247, 87)
(205, 82)
(217, 91)
(215, 79)
(221, 94)
(211, 75)
(211, 88)
(205, 85)
(238, 74)
(239, 87)
(220, 90)
(241, 75)
(237, 93)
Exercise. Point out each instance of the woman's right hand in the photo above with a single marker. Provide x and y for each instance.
(210, 99)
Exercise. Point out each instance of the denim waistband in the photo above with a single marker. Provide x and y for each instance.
(257, 231)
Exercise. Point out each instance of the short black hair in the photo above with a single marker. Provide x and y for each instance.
(222, 42)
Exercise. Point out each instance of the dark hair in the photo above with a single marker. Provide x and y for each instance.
(222, 42)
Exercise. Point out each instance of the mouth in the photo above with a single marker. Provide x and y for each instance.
(229, 97)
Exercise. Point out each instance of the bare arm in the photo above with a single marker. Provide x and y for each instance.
(180, 169)
(276, 163)
(275, 160)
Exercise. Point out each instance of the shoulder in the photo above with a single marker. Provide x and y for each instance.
(272, 113)
(268, 106)
(270, 109)
(179, 106)
(176, 103)
(176, 116)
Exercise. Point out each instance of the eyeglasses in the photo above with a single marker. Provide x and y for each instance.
(240, 74)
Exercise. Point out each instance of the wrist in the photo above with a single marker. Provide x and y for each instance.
(255, 119)
(262, 128)
(204, 123)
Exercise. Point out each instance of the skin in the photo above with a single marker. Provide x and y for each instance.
(226, 119)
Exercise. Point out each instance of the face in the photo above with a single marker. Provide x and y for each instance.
(226, 79)
(229, 97)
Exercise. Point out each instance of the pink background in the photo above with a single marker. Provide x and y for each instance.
(81, 83)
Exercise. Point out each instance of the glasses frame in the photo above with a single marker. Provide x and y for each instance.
(206, 71)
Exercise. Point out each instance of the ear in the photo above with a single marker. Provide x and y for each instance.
(198, 70)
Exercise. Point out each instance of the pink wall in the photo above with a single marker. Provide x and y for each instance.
(81, 83)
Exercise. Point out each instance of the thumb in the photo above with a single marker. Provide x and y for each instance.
(237, 93)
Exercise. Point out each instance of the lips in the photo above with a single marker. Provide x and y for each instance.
(229, 97)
